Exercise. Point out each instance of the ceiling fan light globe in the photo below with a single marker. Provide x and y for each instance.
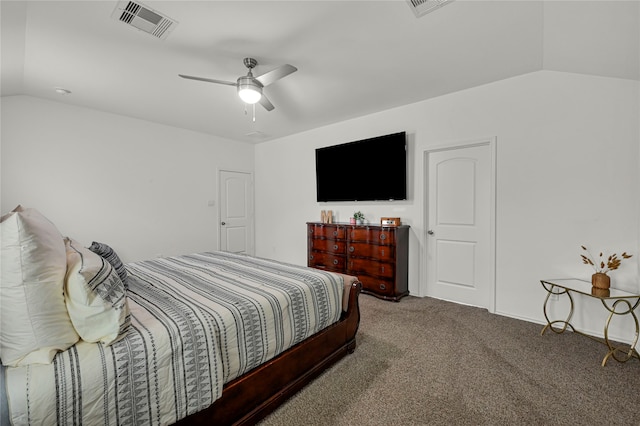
(249, 95)
(249, 90)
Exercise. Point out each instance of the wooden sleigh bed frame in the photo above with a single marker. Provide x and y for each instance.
(172, 331)
(252, 396)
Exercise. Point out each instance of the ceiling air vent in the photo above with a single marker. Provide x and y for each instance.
(256, 135)
(422, 7)
(144, 18)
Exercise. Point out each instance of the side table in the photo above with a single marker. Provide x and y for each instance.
(617, 302)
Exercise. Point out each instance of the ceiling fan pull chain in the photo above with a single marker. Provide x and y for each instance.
(254, 113)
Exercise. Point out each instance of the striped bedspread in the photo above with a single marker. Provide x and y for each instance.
(198, 321)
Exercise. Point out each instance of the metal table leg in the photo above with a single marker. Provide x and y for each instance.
(627, 353)
(565, 323)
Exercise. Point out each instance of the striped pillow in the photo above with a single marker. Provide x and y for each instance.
(110, 255)
(95, 296)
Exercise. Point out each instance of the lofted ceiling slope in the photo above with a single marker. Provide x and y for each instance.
(353, 57)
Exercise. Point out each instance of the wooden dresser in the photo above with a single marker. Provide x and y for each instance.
(377, 255)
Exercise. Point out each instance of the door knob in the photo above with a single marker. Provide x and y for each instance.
(223, 223)
(430, 232)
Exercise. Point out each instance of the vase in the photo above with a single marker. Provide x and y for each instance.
(600, 292)
(352, 221)
(600, 280)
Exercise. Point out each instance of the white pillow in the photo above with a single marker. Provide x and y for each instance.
(34, 319)
(95, 296)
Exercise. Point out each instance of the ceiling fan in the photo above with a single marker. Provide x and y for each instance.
(250, 87)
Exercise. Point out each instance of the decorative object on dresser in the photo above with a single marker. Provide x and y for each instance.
(389, 221)
(358, 217)
(377, 255)
(326, 216)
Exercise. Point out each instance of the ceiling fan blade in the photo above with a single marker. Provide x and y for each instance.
(271, 76)
(209, 80)
(266, 103)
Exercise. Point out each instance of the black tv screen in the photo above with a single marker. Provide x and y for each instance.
(372, 169)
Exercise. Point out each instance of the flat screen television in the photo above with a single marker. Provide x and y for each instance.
(373, 169)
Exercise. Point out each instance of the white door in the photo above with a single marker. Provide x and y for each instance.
(459, 217)
(236, 212)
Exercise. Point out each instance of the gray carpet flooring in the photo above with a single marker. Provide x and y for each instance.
(424, 361)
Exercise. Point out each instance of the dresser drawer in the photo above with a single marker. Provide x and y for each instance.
(371, 250)
(331, 246)
(327, 231)
(329, 261)
(378, 286)
(370, 267)
(373, 236)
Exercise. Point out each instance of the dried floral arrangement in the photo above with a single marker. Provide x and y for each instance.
(612, 262)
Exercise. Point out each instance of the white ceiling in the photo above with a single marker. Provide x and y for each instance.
(353, 57)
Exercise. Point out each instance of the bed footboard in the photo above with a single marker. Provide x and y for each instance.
(254, 395)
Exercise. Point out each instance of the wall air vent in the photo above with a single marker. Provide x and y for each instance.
(422, 7)
(144, 18)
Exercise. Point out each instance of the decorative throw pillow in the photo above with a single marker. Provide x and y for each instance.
(95, 296)
(35, 322)
(113, 258)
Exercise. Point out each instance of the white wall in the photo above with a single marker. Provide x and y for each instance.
(567, 154)
(141, 187)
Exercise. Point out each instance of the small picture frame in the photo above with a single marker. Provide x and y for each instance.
(390, 221)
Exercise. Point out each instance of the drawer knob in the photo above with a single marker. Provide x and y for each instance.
(351, 249)
(383, 286)
(335, 261)
(311, 257)
(335, 247)
(383, 236)
(335, 233)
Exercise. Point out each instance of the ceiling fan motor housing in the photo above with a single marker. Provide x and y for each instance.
(249, 81)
